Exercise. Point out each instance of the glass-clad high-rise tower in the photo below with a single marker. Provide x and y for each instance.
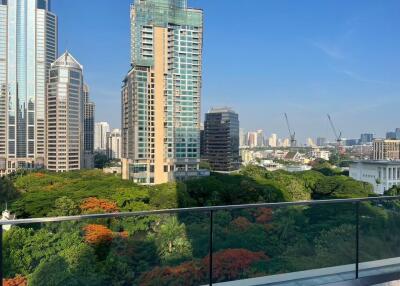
(161, 93)
(28, 45)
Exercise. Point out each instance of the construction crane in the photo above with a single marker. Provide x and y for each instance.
(338, 136)
(293, 142)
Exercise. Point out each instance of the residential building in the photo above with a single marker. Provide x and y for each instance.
(286, 143)
(252, 139)
(65, 115)
(366, 138)
(88, 129)
(321, 141)
(161, 93)
(310, 143)
(386, 149)
(242, 138)
(221, 138)
(273, 140)
(28, 46)
(114, 144)
(100, 136)
(381, 174)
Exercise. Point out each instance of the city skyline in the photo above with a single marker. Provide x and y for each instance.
(338, 62)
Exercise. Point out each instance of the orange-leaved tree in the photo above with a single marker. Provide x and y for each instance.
(231, 264)
(97, 234)
(95, 205)
(17, 281)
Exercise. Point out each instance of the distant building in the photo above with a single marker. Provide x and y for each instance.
(252, 139)
(351, 142)
(242, 138)
(321, 141)
(221, 137)
(88, 129)
(260, 138)
(65, 115)
(114, 144)
(273, 141)
(320, 154)
(366, 138)
(393, 135)
(386, 149)
(100, 136)
(310, 143)
(286, 143)
(381, 174)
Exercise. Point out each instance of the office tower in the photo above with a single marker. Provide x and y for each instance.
(393, 135)
(221, 129)
(161, 93)
(386, 149)
(88, 129)
(65, 115)
(114, 144)
(273, 140)
(366, 138)
(100, 136)
(28, 45)
(321, 141)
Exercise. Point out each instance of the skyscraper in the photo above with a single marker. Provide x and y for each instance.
(65, 115)
(114, 144)
(221, 137)
(88, 129)
(161, 93)
(366, 138)
(100, 136)
(28, 45)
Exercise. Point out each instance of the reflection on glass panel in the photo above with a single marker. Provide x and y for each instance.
(379, 237)
(262, 242)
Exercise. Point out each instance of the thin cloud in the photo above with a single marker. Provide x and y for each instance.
(360, 78)
(330, 50)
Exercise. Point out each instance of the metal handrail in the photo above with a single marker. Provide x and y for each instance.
(195, 209)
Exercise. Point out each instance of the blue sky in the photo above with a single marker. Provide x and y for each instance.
(263, 58)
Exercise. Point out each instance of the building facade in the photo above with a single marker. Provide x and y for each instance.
(161, 93)
(28, 46)
(114, 144)
(386, 149)
(221, 140)
(381, 174)
(100, 136)
(366, 138)
(65, 115)
(88, 129)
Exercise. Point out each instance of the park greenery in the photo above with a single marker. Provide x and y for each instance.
(173, 249)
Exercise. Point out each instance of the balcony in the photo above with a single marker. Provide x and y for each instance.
(327, 242)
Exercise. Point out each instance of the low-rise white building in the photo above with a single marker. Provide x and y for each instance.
(382, 174)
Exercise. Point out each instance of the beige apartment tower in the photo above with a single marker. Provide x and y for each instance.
(161, 93)
(65, 115)
(386, 149)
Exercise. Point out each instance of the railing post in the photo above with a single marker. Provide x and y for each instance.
(357, 238)
(1, 255)
(211, 238)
